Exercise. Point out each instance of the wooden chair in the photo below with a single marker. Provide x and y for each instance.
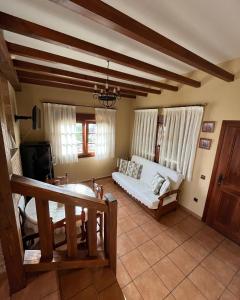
(28, 239)
(59, 180)
(98, 190)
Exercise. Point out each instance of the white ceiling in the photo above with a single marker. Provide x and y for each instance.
(208, 28)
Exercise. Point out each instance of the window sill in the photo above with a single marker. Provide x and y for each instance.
(86, 155)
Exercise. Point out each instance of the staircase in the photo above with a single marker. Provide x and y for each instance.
(95, 263)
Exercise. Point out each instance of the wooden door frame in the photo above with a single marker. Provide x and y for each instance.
(225, 124)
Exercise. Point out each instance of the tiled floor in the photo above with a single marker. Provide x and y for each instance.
(177, 258)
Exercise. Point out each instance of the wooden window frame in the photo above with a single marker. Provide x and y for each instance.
(85, 119)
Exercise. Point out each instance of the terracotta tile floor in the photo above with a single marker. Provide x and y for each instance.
(177, 258)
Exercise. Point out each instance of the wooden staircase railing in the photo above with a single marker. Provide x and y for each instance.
(48, 259)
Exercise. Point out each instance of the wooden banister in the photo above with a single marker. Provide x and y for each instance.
(91, 232)
(88, 255)
(44, 229)
(30, 187)
(110, 231)
(71, 230)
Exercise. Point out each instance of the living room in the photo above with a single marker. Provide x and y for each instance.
(127, 107)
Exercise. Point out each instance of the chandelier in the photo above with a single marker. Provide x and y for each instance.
(107, 96)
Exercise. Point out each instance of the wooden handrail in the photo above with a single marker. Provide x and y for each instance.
(30, 187)
(43, 193)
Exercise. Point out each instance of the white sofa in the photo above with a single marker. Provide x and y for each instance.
(140, 189)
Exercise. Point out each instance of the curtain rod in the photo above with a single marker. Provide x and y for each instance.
(157, 107)
(82, 105)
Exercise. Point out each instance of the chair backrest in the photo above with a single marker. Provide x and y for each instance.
(59, 180)
(98, 189)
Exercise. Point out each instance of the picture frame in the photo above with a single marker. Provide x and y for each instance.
(205, 143)
(208, 126)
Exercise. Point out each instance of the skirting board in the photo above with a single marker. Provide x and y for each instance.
(90, 179)
(190, 212)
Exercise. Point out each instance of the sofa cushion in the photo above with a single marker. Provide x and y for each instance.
(137, 170)
(140, 190)
(165, 186)
(157, 183)
(130, 168)
(150, 168)
(123, 165)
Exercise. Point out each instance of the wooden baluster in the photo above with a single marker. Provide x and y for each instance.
(110, 231)
(71, 230)
(44, 229)
(92, 232)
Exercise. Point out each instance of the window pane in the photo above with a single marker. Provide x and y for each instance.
(91, 147)
(91, 128)
(79, 137)
(79, 127)
(80, 148)
(91, 138)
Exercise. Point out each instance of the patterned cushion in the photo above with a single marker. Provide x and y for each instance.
(137, 170)
(165, 186)
(157, 183)
(123, 166)
(130, 168)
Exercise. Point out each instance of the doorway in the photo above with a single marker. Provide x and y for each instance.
(222, 209)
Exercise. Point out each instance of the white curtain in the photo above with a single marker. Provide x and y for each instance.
(181, 131)
(105, 133)
(60, 129)
(144, 133)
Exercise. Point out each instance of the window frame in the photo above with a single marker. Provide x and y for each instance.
(85, 119)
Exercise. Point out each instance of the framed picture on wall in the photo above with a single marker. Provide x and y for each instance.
(205, 143)
(208, 126)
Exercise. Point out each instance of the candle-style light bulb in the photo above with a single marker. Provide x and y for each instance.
(114, 90)
(106, 86)
(118, 88)
(95, 87)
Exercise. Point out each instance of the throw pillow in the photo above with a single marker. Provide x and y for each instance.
(165, 186)
(157, 183)
(137, 170)
(123, 166)
(130, 168)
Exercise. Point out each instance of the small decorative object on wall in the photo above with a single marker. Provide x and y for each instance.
(205, 143)
(208, 126)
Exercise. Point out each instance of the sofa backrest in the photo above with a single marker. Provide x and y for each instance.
(150, 168)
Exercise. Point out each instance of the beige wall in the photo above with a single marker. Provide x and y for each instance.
(86, 168)
(223, 100)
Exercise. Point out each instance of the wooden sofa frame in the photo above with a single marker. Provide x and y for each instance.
(162, 209)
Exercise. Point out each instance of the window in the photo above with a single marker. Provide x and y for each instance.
(86, 135)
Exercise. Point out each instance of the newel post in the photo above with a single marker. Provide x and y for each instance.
(110, 231)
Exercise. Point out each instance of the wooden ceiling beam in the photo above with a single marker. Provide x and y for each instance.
(72, 81)
(23, 65)
(114, 19)
(6, 66)
(45, 56)
(21, 26)
(63, 85)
